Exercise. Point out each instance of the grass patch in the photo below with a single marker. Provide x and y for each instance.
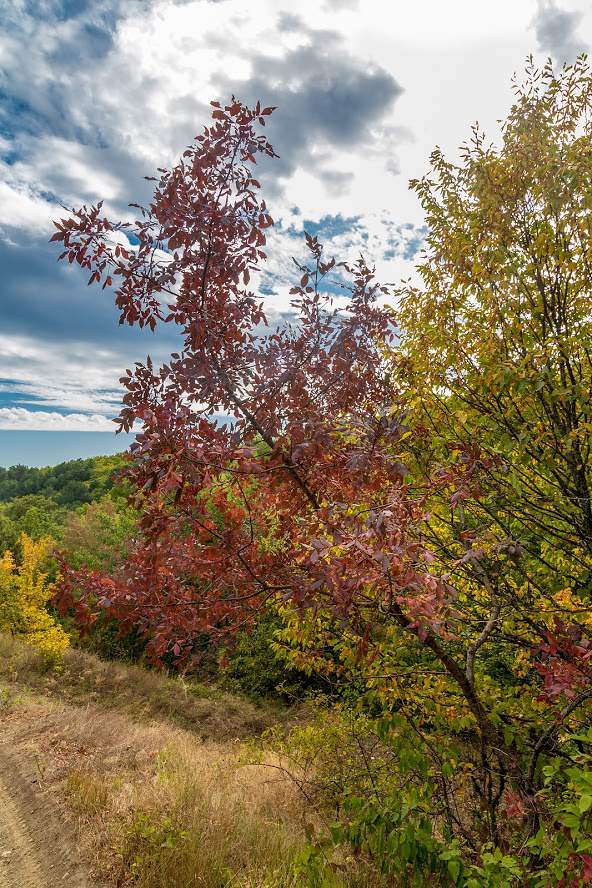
(189, 816)
(9, 697)
(142, 694)
(153, 771)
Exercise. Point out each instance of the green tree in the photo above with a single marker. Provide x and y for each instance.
(98, 535)
(71, 483)
(35, 515)
(499, 333)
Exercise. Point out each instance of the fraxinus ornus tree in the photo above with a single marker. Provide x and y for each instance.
(328, 493)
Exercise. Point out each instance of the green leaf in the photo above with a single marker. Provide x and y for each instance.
(454, 869)
(447, 770)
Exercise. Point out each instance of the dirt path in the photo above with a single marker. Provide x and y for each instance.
(37, 849)
(18, 865)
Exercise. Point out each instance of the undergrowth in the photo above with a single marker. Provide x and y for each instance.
(158, 777)
(142, 694)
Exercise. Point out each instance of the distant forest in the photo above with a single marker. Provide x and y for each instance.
(71, 484)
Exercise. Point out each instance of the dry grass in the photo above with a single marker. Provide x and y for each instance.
(157, 808)
(142, 694)
(156, 805)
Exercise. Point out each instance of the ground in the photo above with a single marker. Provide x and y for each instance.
(37, 845)
(113, 775)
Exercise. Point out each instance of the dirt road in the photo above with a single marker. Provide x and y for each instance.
(18, 863)
(36, 847)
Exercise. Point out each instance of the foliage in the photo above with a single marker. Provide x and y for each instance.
(499, 336)
(69, 484)
(92, 534)
(566, 845)
(423, 508)
(35, 515)
(377, 782)
(42, 502)
(98, 535)
(256, 668)
(95, 535)
(24, 593)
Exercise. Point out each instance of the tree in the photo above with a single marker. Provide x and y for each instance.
(99, 534)
(499, 336)
(499, 340)
(504, 318)
(37, 516)
(332, 492)
(24, 592)
(73, 483)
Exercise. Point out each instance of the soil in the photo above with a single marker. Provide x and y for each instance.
(37, 844)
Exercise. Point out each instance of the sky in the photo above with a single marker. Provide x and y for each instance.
(96, 95)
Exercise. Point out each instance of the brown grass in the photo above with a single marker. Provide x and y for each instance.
(157, 805)
(142, 694)
(159, 808)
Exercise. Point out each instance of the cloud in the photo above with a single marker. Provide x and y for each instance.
(48, 300)
(390, 247)
(327, 100)
(112, 90)
(556, 31)
(342, 4)
(22, 206)
(57, 34)
(60, 342)
(335, 181)
(62, 396)
(20, 419)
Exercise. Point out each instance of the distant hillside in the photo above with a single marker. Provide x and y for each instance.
(72, 483)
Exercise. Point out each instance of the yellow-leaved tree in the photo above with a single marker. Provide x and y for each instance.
(24, 592)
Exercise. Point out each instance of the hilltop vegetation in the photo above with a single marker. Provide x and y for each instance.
(59, 501)
(69, 484)
(95, 532)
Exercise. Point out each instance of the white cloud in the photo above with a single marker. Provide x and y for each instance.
(93, 125)
(21, 207)
(139, 105)
(20, 419)
(384, 243)
(59, 376)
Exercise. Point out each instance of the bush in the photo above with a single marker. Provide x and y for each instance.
(24, 593)
(257, 671)
(106, 641)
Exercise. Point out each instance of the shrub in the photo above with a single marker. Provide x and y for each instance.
(24, 593)
(257, 671)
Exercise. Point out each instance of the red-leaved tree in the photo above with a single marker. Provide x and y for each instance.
(319, 490)
(310, 445)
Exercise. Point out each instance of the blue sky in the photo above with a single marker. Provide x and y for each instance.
(94, 96)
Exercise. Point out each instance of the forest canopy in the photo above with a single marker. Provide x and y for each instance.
(69, 484)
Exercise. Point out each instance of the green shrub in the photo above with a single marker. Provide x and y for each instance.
(257, 672)
(106, 641)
